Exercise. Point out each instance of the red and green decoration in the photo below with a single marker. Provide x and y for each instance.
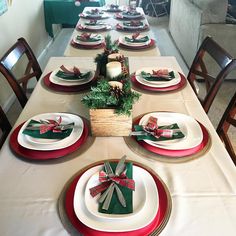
(114, 94)
(102, 58)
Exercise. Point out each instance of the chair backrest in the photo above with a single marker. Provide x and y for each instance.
(228, 120)
(199, 68)
(5, 127)
(9, 61)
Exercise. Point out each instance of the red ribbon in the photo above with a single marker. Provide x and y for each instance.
(152, 128)
(52, 125)
(107, 180)
(75, 72)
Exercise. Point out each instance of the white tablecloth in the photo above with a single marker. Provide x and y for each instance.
(75, 52)
(203, 190)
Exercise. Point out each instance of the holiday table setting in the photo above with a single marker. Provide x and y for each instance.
(38, 196)
(109, 26)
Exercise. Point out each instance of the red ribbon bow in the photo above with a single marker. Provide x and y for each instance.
(107, 180)
(50, 125)
(152, 128)
(160, 73)
(135, 35)
(75, 72)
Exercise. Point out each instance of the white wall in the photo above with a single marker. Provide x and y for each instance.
(24, 18)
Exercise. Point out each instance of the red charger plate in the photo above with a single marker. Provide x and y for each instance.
(176, 153)
(159, 221)
(180, 85)
(45, 155)
(63, 88)
(151, 44)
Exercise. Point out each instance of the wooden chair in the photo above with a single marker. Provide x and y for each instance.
(9, 61)
(199, 69)
(5, 127)
(228, 119)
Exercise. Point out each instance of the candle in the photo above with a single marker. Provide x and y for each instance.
(113, 57)
(113, 69)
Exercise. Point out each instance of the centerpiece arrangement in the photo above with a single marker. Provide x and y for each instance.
(111, 100)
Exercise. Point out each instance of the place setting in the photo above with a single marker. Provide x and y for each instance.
(88, 41)
(94, 14)
(49, 136)
(156, 79)
(136, 41)
(115, 197)
(168, 136)
(94, 26)
(113, 8)
(129, 15)
(132, 25)
(67, 79)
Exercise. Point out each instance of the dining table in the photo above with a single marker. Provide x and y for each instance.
(202, 190)
(115, 34)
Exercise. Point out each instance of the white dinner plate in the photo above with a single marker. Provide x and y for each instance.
(57, 80)
(100, 16)
(134, 27)
(52, 144)
(96, 27)
(131, 16)
(142, 215)
(187, 124)
(89, 43)
(123, 41)
(157, 84)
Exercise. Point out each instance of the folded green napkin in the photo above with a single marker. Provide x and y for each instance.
(115, 205)
(48, 135)
(89, 39)
(67, 76)
(150, 77)
(139, 23)
(137, 40)
(176, 135)
(131, 13)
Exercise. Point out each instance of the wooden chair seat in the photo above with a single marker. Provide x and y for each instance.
(10, 60)
(199, 69)
(228, 120)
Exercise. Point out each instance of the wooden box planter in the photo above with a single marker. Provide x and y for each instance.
(105, 122)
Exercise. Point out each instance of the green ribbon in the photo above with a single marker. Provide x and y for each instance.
(115, 206)
(48, 135)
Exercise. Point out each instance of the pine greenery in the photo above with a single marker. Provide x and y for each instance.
(102, 97)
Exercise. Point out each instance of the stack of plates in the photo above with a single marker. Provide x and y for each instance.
(196, 135)
(89, 45)
(131, 27)
(135, 45)
(65, 85)
(97, 27)
(42, 148)
(125, 16)
(145, 203)
(177, 82)
(151, 205)
(100, 15)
